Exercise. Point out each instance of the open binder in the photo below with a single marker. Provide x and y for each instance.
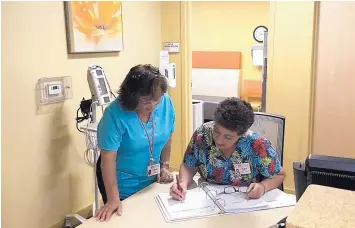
(212, 200)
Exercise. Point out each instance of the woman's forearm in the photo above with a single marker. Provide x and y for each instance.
(165, 153)
(186, 174)
(275, 182)
(108, 168)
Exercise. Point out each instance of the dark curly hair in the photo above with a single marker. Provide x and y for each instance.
(141, 80)
(235, 115)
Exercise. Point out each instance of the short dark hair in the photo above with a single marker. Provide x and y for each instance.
(141, 80)
(235, 115)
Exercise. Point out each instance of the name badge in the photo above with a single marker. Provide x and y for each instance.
(153, 170)
(243, 168)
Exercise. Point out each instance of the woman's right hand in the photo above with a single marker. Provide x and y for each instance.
(176, 193)
(106, 211)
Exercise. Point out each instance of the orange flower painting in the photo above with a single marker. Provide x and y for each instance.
(94, 26)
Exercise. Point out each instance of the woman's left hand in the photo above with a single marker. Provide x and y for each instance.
(255, 190)
(165, 176)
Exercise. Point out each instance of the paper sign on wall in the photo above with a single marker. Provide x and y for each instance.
(257, 54)
(163, 60)
(258, 58)
(172, 47)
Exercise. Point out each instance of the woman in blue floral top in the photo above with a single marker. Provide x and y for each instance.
(226, 152)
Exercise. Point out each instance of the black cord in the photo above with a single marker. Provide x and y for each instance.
(85, 108)
(113, 94)
(77, 127)
(78, 120)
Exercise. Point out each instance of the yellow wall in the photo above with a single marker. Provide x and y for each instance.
(176, 28)
(228, 26)
(44, 175)
(170, 15)
(290, 76)
(334, 81)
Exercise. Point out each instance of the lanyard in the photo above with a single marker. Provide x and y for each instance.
(150, 143)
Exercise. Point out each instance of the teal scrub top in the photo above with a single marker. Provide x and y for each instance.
(121, 131)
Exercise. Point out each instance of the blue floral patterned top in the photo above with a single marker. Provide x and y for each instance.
(252, 150)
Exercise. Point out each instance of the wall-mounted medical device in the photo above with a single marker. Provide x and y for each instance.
(99, 87)
(169, 71)
(101, 95)
(54, 89)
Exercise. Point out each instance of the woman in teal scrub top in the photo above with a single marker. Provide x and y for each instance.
(134, 136)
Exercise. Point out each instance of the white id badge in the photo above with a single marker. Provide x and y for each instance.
(153, 170)
(243, 168)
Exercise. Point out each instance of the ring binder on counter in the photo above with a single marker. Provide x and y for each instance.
(212, 200)
(209, 193)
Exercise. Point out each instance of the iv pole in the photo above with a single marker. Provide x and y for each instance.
(264, 74)
(99, 98)
(93, 121)
(91, 133)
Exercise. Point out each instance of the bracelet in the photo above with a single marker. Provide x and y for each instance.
(165, 163)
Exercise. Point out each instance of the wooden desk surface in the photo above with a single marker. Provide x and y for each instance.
(141, 210)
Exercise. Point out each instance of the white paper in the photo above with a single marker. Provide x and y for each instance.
(237, 202)
(195, 205)
(163, 60)
(258, 58)
(172, 47)
(198, 205)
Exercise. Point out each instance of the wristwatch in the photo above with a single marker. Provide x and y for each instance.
(165, 163)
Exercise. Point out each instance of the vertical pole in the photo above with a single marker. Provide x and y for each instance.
(96, 204)
(264, 74)
(93, 111)
(95, 157)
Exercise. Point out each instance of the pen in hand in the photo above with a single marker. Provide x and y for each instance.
(178, 184)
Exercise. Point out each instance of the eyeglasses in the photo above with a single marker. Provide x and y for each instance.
(232, 194)
(226, 190)
(233, 189)
(148, 100)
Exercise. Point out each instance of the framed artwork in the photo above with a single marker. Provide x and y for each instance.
(93, 26)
